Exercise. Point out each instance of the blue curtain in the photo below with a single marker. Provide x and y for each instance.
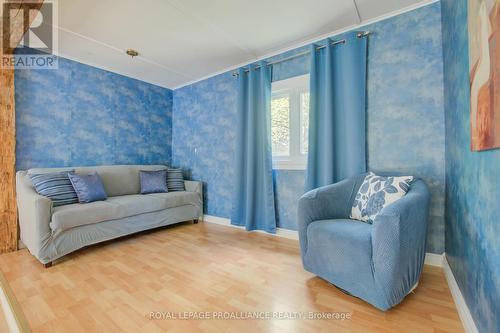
(337, 129)
(254, 199)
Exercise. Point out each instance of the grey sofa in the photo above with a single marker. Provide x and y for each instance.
(52, 232)
(380, 262)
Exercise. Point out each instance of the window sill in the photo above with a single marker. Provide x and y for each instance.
(289, 165)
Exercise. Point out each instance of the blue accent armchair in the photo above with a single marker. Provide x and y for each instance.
(380, 262)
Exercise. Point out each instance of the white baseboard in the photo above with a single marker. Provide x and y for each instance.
(285, 233)
(462, 308)
(434, 259)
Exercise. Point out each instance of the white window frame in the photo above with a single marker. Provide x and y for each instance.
(293, 87)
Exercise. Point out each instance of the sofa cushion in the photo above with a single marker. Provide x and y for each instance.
(56, 186)
(153, 181)
(69, 216)
(88, 187)
(175, 180)
(117, 179)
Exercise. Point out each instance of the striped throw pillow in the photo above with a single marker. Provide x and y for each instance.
(56, 186)
(175, 180)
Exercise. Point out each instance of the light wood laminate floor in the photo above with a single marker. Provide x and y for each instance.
(114, 287)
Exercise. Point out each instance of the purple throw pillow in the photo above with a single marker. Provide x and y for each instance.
(88, 187)
(153, 181)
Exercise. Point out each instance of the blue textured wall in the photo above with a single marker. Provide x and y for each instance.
(80, 115)
(405, 119)
(203, 138)
(405, 105)
(472, 184)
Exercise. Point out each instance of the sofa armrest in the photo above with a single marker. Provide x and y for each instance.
(195, 186)
(327, 202)
(35, 213)
(399, 239)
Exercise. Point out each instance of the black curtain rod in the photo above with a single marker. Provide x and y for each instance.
(360, 34)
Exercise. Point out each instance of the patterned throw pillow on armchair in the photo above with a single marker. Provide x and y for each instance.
(377, 192)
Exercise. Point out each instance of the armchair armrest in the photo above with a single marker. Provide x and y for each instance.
(195, 186)
(399, 239)
(35, 213)
(327, 202)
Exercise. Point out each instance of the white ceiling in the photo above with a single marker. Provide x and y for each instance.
(181, 41)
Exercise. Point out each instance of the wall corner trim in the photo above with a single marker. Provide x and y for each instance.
(462, 308)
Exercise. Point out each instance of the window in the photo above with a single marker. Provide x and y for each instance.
(290, 122)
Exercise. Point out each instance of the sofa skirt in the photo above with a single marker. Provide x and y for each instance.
(57, 246)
